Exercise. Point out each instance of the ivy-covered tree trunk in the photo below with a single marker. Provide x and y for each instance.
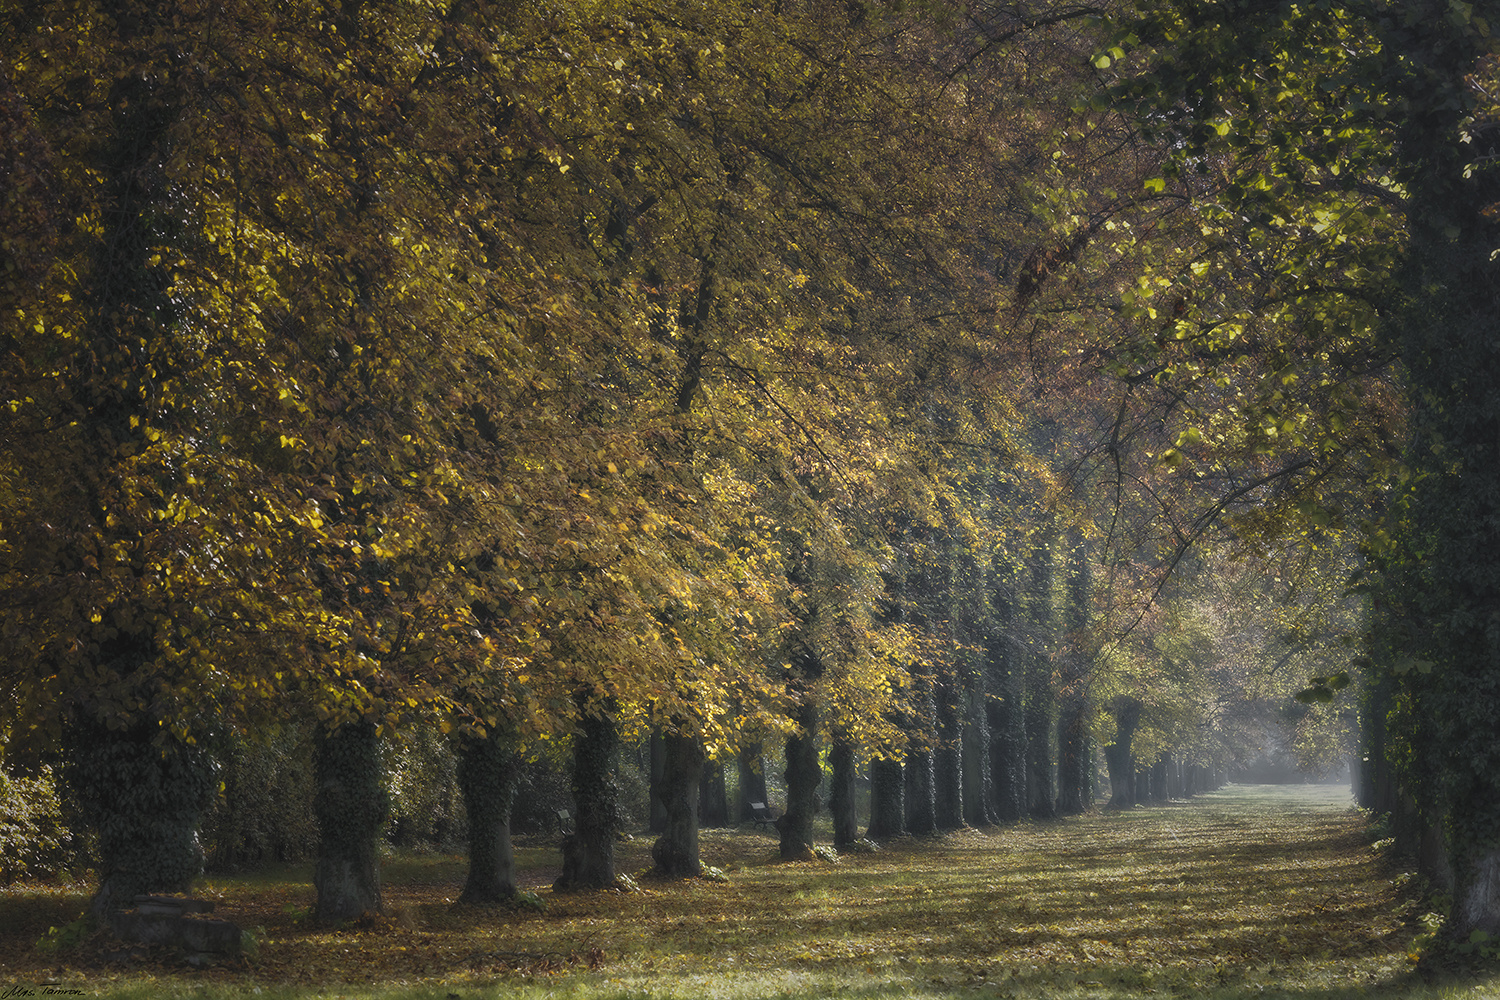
(841, 762)
(144, 801)
(676, 850)
(142, 790)
(1041, 728)
(713, 796)
(1075, 750)
(1008, 758)
(656, 804)
(589, 852)
(921, 816)
(947, 758)
(803, 775)
(1450, 342)
(351, 805)
(887, 799)
(978, 789)
(1117, 754)
(1041, 698)
(1005, 701)
(752, 774)
(921, 813)
(488, 770)
(1375, 788)
(1075, 765)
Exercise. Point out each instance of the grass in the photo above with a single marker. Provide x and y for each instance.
(1250, 892)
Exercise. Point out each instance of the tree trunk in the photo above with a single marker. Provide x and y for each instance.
(1007, 727)
(887, 799)
(488, 768)
(589, 852)
(841, 793)
(1040, 728)
(921, 817)
(1004, 705)
(1159, 781)
(1041, 699)
(1117, 755)
(713, 796)
(1075, 758)
(1433, 861)
(752, 779)
(1476, 907)
(351, 805)
(978, 789)
(803, 775)
(676, 850)
(656, 796)
(917, 774)
(144, 802)
(947, 759)
(1075, 751)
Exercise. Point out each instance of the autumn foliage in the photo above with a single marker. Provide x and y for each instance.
(968, 388)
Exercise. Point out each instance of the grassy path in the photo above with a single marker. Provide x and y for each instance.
(1253, 891)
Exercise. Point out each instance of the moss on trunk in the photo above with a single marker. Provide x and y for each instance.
(803, 775)
(589, 852)
(676, 850)
(488, 769)
(841, 793)
(144, 799)
(351, 805)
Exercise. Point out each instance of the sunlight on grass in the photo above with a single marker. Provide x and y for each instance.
(1250, 892)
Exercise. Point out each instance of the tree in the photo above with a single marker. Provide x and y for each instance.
(676, 851)
(1445, 143)
(351, 808)
(488, 769)
(1074, 730)
(537, 372)
(589, 851)
(803, 775)
(88, 561)
(844, 772)
(1041, 697)
(1377, 114)
(1005, 690)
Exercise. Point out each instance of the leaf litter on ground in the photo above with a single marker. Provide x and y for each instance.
(1252, 891)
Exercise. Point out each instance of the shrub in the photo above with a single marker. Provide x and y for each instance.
(264, 808)
(34, 841)
(427, 808)
(542, 788)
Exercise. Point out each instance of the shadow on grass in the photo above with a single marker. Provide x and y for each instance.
(1228, 898)
(1105, 983)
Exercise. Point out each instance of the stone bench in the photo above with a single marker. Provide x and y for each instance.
(181, 922)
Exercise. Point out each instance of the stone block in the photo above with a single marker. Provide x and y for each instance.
(145, 928)
(210, 935)
(179, 922)
(172, 904)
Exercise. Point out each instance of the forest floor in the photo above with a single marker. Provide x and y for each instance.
(1253, 891)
